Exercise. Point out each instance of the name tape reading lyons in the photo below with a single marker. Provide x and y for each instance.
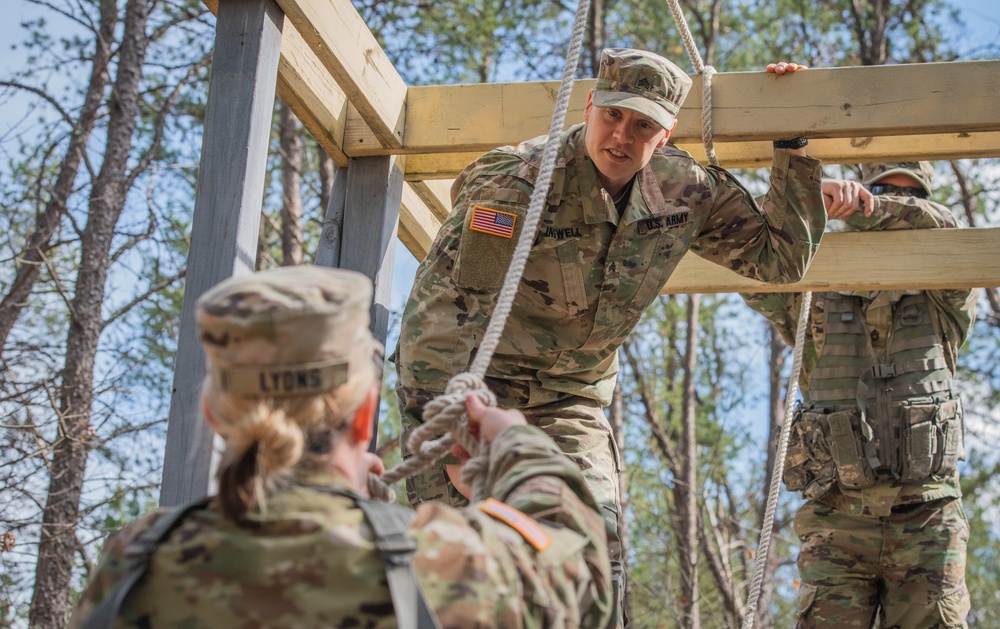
(283, 380)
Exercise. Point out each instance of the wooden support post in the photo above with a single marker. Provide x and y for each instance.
(226, 217)
(328, 251)
(374, 189)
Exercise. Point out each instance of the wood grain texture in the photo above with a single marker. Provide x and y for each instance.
(886, 260)
(340, 39)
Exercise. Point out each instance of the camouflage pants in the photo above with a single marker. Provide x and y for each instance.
(578, 425)
(909, 567)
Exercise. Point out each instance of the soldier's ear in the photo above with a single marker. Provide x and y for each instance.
(663, 142)
(361, 425)
(208, 416)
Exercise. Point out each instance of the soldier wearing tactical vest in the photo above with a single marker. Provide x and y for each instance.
(875, 444)
(291, 539)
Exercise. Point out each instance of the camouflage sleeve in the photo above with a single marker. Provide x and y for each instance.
(903, 213)
(477, 571)
(955, 310)
(110, 568)
(528, 471)
(774, 241)
(781, 309)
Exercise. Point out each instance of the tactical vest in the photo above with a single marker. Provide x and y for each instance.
(880, 401)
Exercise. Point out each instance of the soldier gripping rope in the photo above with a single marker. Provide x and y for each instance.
(875, 445)
(623, 208)
(292, 540)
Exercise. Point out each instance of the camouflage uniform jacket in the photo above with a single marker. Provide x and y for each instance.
(309, 560)
(952, 313)
(590, 274)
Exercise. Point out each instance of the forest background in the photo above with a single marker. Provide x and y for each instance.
(101, 111)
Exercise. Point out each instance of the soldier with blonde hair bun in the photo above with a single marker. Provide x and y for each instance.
(292, 539)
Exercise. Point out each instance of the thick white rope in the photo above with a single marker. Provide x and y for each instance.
(793, 383)
(774, 490)
(706, 73)
(446, 412)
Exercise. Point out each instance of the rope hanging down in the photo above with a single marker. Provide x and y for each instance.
(445, 412)
(774, 490)
(760, 561)
(706, 73)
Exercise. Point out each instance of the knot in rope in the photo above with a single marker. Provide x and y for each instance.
(706, 72)
(444, 425)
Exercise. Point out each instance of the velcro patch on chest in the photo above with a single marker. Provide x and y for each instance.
(530, 530)
(494, 222)
(659, 223)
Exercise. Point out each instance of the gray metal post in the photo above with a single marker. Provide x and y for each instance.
(226, 216)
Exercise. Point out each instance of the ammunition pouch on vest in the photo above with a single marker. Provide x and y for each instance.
(827, 447)
(931, 439)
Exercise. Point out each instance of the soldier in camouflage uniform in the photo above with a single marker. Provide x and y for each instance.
(292, 390)
(875, 444)
(623, 208)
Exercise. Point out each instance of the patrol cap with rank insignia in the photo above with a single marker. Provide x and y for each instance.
(643, 82)
(293, 331)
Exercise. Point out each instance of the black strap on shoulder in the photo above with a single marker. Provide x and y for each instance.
(390, 523)
(137, 555)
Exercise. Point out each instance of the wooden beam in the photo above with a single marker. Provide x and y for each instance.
(309, 90)
(861, 102)
(428, 166)
(436, 195)
(226, 218)
(418, 224)
(885, 260)
(349, 52)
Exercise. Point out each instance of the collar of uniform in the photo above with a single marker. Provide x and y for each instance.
(597, 204)
(648, 196)
(301, 479)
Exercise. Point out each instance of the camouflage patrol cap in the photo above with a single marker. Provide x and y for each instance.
(287, 332)
(923, 172)
(643, 82)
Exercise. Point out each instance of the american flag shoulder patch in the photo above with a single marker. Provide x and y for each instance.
(493, 222)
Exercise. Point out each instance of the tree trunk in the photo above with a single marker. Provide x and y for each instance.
(290, 139)
(688, 481)
(969, 205)
(617, 422)
(593, 42)
(34, 252)
(58, 543)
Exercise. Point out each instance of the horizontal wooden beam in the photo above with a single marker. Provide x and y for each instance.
(855, 103)
(309, 90)
(885, 260)
(427, 166)
(348, 51)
